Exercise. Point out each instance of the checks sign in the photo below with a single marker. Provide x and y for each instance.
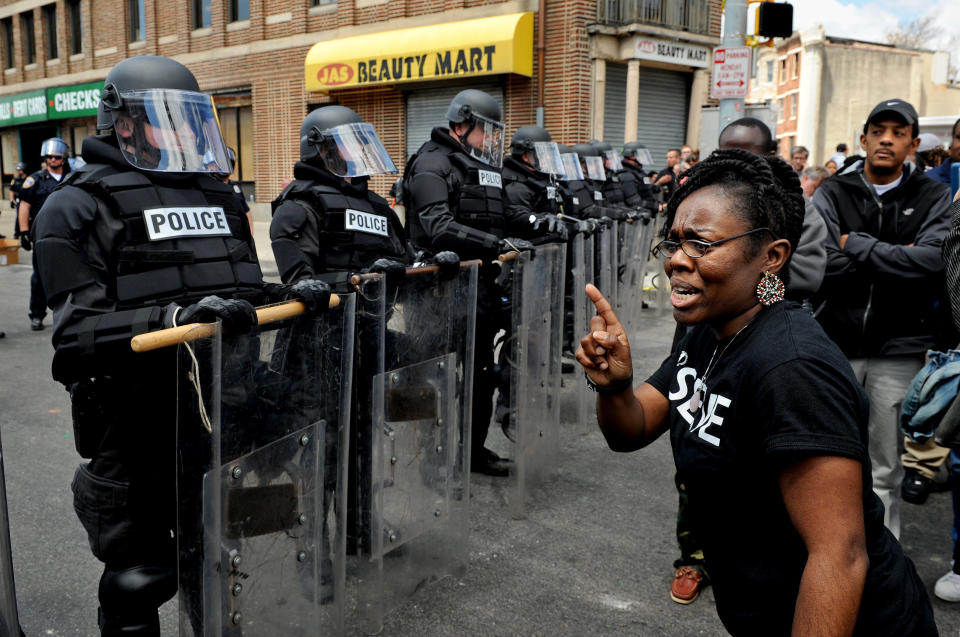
(731, 73)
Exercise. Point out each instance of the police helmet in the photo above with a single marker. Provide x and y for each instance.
(630, 148)
(586, 150)
(142, 72)
(468, 104)
(601, 145)
(54, 146)
(21, 166)
(319, 120)
(564, 149)
(525, 137)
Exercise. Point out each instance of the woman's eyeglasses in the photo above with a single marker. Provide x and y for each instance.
(695, 248)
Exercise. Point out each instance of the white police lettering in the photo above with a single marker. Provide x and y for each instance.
(551, 192)
(366, 222)
(490, 178)
(169, 223)
(576, 201)
(597, 195)
(690, 400)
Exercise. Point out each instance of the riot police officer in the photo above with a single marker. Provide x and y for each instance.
(19, 177)
(613, 193)
(142, 237)
(533, 201)
(327, 222)
(637, 190)
(454, 193)
(33, 193)
(235, 186)
(591, 187)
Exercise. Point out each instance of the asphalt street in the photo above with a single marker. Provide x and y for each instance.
(593, 557)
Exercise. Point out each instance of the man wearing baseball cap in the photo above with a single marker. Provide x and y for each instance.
(882, 299)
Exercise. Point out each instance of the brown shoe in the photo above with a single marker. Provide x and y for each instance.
(685, 587)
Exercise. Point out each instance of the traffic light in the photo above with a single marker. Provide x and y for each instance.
(774, 20)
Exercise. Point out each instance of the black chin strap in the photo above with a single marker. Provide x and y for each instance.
(463, 138)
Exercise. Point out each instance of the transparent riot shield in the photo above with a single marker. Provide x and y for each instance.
(580, 319)
(262, 428)
(532, 355)
(606, 262)
(414, 396)
(9, 622)
(630, 294)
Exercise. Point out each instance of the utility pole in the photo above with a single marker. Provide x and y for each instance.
(734, 34)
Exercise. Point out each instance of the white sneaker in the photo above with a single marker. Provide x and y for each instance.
(948, 587)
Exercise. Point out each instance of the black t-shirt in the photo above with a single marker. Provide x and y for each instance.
(671, 185)
(778, 392)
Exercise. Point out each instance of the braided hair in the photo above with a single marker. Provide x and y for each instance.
(766, 188)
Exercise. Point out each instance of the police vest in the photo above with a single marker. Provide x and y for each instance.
(613, 193)
(480, 204)
(354, 231)
(584, 195)
(181, 242)
(547, 199)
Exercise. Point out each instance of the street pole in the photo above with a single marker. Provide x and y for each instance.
(734, 34)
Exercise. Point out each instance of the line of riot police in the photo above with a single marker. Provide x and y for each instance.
(352, 429)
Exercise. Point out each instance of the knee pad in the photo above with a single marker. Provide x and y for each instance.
(131, 597)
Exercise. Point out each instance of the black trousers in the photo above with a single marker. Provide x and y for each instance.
(38, 298)
(489, 319)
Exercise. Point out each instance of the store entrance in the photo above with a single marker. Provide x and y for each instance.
(30, 140)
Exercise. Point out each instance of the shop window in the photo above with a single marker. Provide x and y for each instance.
(201, 14)
(138, 20)
(239, 10)
(769, 70)
(50, 26)
(76, 26)
(236, 125)
(29, 38)
(6, 26)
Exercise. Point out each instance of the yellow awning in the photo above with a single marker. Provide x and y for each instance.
(470, 48)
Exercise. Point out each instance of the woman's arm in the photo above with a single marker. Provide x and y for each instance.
(632, 418)
(823, 496)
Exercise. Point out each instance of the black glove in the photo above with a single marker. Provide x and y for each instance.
(238, 316)
(606, 221)
(314, 293)
(25, 242)
(585, 228)
(13, 204)
(512, 244)
(393, 270)
(449, 264)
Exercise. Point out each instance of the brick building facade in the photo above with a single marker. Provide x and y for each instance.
(250, 55)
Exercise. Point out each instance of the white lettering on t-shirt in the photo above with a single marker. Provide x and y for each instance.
(685, 396)
(365, 222)
(490, 178)
(191, 221)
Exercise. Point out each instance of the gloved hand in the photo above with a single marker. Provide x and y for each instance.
(512, 244)
(25, 242)
(606, 221)
(585, 228)
(314, 293)
(238, 316)
(545, 222)
(393, 270)
(13, 204)
(449, 264)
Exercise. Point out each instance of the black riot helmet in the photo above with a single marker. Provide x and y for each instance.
(534, 145)
(525, 137)
(611, 158)
(637, 152)
(482, 112)
(592, 161)
(141, 73)
(338, 138)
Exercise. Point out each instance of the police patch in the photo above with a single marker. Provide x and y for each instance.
(190, 221)
(490, 178)
(597, 195)
(28, 182)
(365, 222)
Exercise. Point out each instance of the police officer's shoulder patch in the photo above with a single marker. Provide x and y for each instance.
(29, 182)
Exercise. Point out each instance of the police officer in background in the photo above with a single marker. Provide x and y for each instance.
(16, 183)
(613, 194)
(33, 193)
(637, 189)
(117, 258)
(592, 188)
(533, 199)
(454, 194)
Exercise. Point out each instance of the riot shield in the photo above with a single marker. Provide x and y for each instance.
(580, 319)
(414, 394)
(533, 357)
(606, 262)
(262, 427)
(629, 296)
(9, 621)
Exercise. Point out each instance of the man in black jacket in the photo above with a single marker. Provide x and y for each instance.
(882, 299)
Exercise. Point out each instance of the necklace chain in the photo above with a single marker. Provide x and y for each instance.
(710, 364)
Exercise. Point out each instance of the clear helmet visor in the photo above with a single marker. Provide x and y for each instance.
(643, 156)
(547, 158)
(612, 160)
(170, 131)
(354, 150)
(571, 167)
(485, 141)
(595, 168)
(53, 147)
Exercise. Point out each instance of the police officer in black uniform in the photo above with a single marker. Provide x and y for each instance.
(613, 194)
(235, 186)
(533, 199)
(637, 189)
(19, 177)
(454, 194)
(142, 237)
(591, 188)
(33, 193)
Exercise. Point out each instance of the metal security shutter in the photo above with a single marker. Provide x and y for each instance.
(615, 104)
(427, 109)
(663, 112)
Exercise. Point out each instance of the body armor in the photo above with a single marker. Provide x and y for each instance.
(547, 198)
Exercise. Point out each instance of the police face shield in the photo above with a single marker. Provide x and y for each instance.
(595, 168)
(571, 166)
(546, 157)
(353, 150)
(485, 141)
(612, 160)
(642, 156)
(170, 131)
(54, 148)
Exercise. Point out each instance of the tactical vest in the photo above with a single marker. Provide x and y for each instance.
(548, 198)
(585, 195)
(345, 249)
(613, 193)
(480, 206)
(180, 268)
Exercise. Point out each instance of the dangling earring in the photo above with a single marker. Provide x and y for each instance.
(770, 289)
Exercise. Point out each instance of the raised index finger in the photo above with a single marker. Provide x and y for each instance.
(603, 306)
